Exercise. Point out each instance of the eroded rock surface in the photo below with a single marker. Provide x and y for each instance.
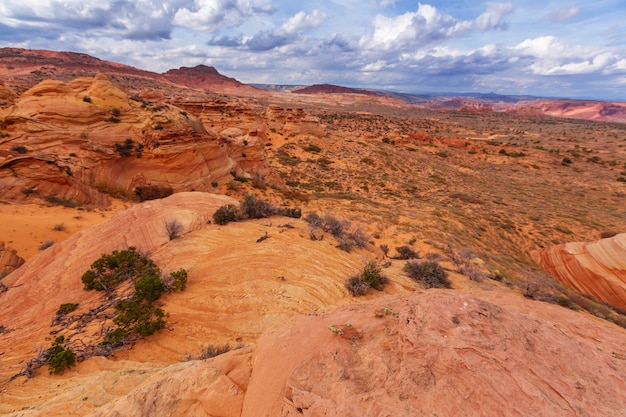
(596, 268)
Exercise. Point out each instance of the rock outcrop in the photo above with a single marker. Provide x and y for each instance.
(438, 352)
(596, 268)
(9, 260)
(61, 139)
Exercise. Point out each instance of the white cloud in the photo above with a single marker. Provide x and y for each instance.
(302, 20)
(493, 17)
(562, 15)
(209, 15)
(551, 56)
(428, 25)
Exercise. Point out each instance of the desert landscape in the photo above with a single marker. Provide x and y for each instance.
(317, 250)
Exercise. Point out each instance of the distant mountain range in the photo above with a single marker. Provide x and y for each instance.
(21, 69)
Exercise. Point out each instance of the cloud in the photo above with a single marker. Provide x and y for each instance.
(140, 19)
(561, 15)
(209, 15)
(302, 20)
(551, 56)
(428, 26)
(127, 19)
(288, 33)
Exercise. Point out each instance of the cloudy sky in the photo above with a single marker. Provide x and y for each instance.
(542, 47)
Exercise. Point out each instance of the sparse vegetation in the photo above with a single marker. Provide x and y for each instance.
(252, 207)
(347, 235)
(60, 201)
(428, 273)
(114, 190)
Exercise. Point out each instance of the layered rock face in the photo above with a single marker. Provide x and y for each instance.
(59, 139)
(437, 352)
(596, 268)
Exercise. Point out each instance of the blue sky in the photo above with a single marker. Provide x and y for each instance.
(549, 48)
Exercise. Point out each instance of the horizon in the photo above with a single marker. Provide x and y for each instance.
(554, 49)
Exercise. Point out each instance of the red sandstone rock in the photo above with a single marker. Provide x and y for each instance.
(596, 268)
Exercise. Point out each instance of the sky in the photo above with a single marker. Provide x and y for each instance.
(550, 48)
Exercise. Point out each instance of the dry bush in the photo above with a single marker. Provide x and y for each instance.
(428, 273)
(114, 190)
(347, 235)
(45, 244)
(153, 192)
(405, 252)
(173, 228)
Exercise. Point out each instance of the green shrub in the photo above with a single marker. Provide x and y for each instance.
(148, 288)
(370, 277)
(179, 280)
(137, 317)
(110, 270)
(115, 337)
(67, 308)
(373, 276)
(114, 190)
(428, 273)
(58, 358)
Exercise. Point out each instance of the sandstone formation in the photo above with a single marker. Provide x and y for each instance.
(60, 139)
(577, 109)
(596, 268)
(438, 352)
(9, 260)
(227, 300)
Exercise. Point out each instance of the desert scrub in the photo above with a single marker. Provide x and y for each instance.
(153, 192)
(252, 207)
(428, 273)
(348, 236)
(59, 201)
(370, 277)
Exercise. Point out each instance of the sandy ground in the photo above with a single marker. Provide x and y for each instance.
(24, 227)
